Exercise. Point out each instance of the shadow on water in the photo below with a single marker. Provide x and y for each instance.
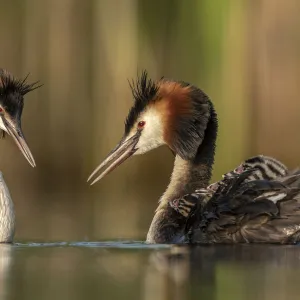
(134, 270)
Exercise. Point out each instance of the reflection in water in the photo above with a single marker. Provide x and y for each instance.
(5, 265)
(221, 272)
(135, 271)
(167, 274)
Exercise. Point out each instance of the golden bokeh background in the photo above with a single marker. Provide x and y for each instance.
(243, 54)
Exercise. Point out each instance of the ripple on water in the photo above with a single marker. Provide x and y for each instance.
(102, 244)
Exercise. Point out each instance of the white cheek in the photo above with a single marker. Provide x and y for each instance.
(152, 134)
(144, 147)
(2, 126)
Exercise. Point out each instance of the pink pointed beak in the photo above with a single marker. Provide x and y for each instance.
(124, 150)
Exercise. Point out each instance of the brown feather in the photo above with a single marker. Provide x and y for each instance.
(174, 101)
(186, 112)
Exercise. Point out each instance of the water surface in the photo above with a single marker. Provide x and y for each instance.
(133, 270)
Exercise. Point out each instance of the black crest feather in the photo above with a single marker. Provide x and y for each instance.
(10, 84)
(144, 90)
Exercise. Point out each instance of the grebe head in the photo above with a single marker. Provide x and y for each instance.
(165, 112)
(12, 92)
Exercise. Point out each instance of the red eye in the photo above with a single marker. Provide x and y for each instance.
(1, 110)
(141, 124)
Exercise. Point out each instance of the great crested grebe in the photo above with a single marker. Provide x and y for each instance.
(257, 202)
(181, 116)
(12, 92)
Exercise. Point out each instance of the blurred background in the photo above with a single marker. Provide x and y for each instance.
(244, 54)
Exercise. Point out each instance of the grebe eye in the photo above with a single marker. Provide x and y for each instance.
(1, 109)
(141, 124)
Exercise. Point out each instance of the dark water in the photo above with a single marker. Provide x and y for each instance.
(132, 270)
